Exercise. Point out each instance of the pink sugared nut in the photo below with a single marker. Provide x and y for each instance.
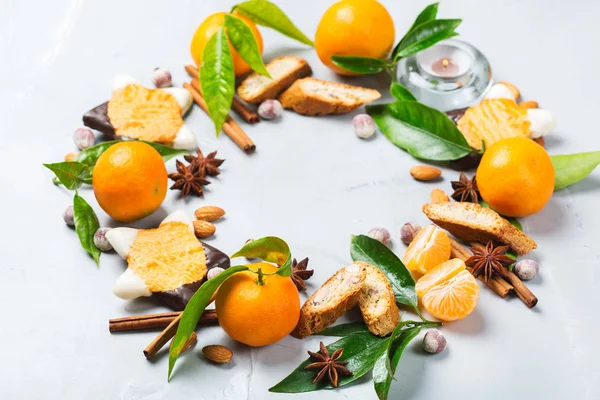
(84, 138)
(526, 269)
(68, 216)
(381, 234)
(162, 78)
(408, 232)
(213, 272)
(270, 109)
(434, 341)
(100, 240)
(364, 126)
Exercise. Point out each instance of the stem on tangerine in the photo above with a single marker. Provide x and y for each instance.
(260, 279)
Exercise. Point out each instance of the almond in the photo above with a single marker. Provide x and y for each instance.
(425, 172)
(217, 353)
(204, 229)
(529, 104)
(438, 196)
(512, 88)
(189, 343)
(209, 213)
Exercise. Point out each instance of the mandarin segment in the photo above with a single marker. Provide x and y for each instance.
(429, 248)
(452, 299)
(439, 274)
(168, 257)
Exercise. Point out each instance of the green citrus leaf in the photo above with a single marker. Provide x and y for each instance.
(361, 351)
(344, 329)
(86, 225)
(71, 174)
(424, 132)
(373, 252)
(267, 14)
(428, 14)
(243, 41)
(400, 92)
(361, 65)
(90, 156)
(271, 249)
(571, 168)
(217, 78)
(426, 35)
(193, 311)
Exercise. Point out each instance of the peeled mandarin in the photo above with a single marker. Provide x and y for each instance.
(454, 298)
(429, 248)
(439, 274)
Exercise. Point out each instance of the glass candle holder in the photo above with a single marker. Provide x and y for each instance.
(450, 75)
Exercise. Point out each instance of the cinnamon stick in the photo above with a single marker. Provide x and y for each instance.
(501, 287)
(230, 127)
(189, 343)
(155, 321)
(237, 105)
(162, 339)
(521, 290)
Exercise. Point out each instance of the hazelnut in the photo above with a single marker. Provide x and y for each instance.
(434, 341)
(162, 78)
(68, 216)
(100, 240)
(214, 272)
(270, 109)
(381, 234)
(526, 269)
(84, 138)
(364, 126)
(408, 232)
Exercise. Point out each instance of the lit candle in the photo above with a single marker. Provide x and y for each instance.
(445, 61)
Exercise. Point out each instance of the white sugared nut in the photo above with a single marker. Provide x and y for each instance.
(162, 78)
(364, 126)
(408, 232)
(381, 234)
(270, 109)
(541, 121)
(214, 272)
(68, 216)
(100, 240)
(526, 269)
(434, 341)
(500, 91)
(84, 138)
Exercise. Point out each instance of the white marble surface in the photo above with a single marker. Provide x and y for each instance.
(311, 182)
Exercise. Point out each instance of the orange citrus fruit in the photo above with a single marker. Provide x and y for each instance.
(449, 292)
(208, 28)
(258, 314)
(516, 177)
(429, 248)
(130, 180)
(354, 28)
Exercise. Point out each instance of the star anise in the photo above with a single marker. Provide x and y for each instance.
(189, 179)
(328, 365)
(209, 164)
(300, 273)
(489, 260)
(465, 189)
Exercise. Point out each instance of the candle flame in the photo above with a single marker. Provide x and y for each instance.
(445, 62)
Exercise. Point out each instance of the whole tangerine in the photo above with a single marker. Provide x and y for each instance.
(516, 177)
(354, 28)
(130, 180)
(209, 27)
(258, 314)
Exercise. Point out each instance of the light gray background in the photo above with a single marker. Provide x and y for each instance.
(311, 182)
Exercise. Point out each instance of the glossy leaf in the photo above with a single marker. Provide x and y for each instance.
(344, 329)
(90, 156)
(271, 249)
(360, 65)
(86, 225)
(571, 168)
(361, 350)
(428, 14)
(401, 92)
(71, 174)
(267, 14)
(424, 132)
(382, 379)
(373, 252)
(193, 311)
(243, 41)
(426, 35)
(217, 78)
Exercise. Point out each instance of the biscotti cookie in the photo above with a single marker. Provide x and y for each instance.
(336, 296)
(377, 302)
